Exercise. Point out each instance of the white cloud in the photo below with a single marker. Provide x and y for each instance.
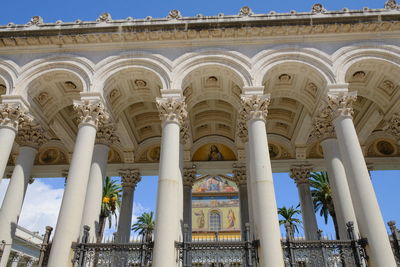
(41, 205)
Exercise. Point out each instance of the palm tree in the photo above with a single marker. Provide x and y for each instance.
(288, 215)
(321, 193)
(109, 205)
(145, 225)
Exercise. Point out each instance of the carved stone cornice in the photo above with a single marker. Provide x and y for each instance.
(172, 110)
(91, 112)
(130, 178)
(148, 29)
(254, 107)
(106, 135)
(300, 174)
(31, 135)
(393, 126)
(189, 176)
(341, 103)
(13, 115)
(240, 175)
(323, 127)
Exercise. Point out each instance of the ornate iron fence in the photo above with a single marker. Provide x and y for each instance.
(112, 254)
(217, 252)
(324, 253)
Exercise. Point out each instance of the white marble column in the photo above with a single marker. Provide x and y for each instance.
(91, 213)
(15, 259)
(369, 217)
(69, 221)
(342, 202)
(29, 138)
(255, 111)
(189, 176)
(11, 115)
(300, 175)
(241, 181)
(129, 178)
(172, 113)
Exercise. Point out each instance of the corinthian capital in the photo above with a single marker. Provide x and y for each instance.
(254, 107)
(393, 126)
(323, 127)
(240, 175)
(31, 135)
(130, 178)
(300, 174)
(341, 103)
(172, 110)
(189, 176)
(12, 115)
(91, 112)
(106, 135)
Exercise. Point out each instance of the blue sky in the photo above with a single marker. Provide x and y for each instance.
(44, 196)
(52, 10)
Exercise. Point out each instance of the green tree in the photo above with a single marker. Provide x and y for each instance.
(145, 225)
(321, 193)
(109, 205)
(288, 215)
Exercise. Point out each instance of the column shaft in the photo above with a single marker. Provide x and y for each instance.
(7, 137)
(125, 215)
(14, 198)
(167, 217)
(244, 208)
(187, 207)
(70, 217)
(307, 212)
(250, 190)
(94, 192)
(366, 206)
(340, 189)
(267, 223)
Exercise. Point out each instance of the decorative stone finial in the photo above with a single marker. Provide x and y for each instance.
(174, 14)
(189, 176)
(318, 8)
(172, 110)
(245, 11)
(341, 103)
(300, 174)
(104, 17)
(239, 173)
(36, 20)
(130, 178)
(91, 112)
(12, 115)
(106, 135)
(391, 4)
(254, 107)
(31, 135)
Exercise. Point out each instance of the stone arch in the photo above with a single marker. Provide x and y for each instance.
(314, 59)
(157, 64)
(145, 146)
(77, 66)
(346, 57)
(234, 62)
(8, 74)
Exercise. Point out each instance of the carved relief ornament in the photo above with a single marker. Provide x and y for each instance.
(31, 135)
(12, 115)
(189, 176)
(254, 107)
(323, 127)
(341, 103)
(240, 175)
(172, 110)
(130, 178)
(393, 126)
(300, 174)
(106, 135)
(91, 112)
